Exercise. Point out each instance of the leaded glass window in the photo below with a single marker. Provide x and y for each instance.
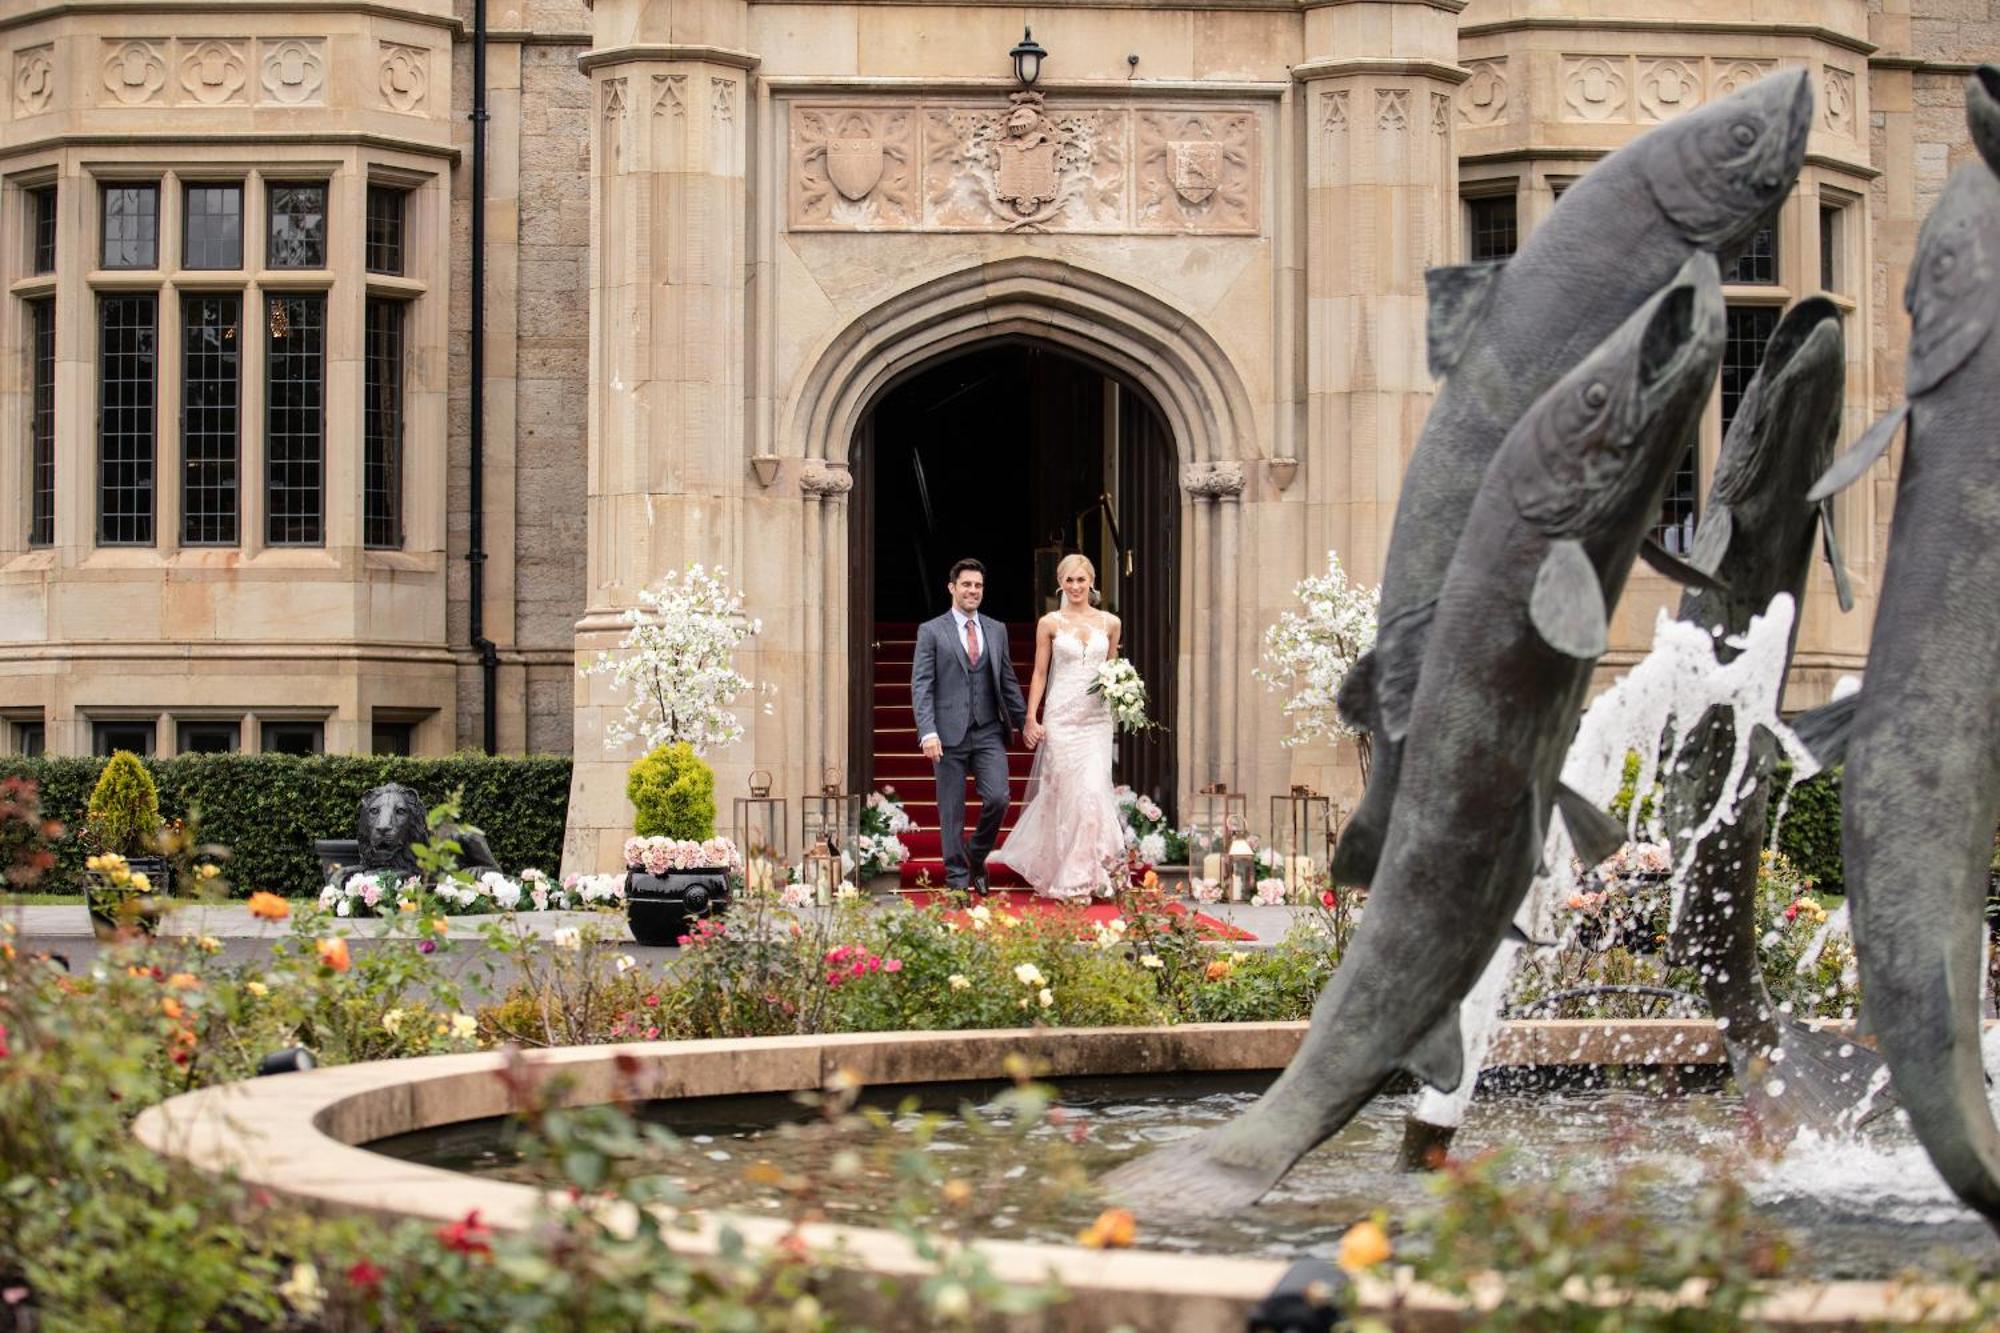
(385, 229)
(211, 392)
(42, 422)
(127, 356)
(1758, 264)
(382, 423)
(131, 231)
(297, 225)
(295, 418)
(212, 226)
(1491, 232)
(42, 229)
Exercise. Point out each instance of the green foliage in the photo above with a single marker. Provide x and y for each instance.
(673, 792)
(1628, 788)
(269, 808)
(124, 813)
(1809, 836)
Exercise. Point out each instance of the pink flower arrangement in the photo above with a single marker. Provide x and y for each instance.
(850, 962)
(1206, 890)
(660, 855)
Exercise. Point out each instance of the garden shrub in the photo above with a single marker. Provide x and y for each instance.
(269, 808)
(124, 815)
(1809, 834)
(673, 793)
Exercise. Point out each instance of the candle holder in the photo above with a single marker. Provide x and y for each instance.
(1242, 883)
(822, 871)
(1302, 836)
(836, 814)
(1219, 816)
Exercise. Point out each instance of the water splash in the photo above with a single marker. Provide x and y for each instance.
(1678, 680)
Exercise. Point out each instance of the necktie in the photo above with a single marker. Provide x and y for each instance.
(972, 643)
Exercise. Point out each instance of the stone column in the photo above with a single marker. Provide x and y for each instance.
(669, 160)
(1381, 207)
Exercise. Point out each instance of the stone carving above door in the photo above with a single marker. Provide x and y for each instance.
(854, 168)
(1029, 164)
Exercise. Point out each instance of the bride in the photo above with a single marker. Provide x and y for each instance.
(1069, 840)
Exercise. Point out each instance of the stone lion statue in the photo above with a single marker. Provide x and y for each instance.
(391, 821)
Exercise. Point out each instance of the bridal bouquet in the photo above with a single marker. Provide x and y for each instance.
(1122, 686)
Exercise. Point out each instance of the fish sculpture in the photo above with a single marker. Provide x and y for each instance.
(1921, 739)
(1758, 534)
(1521, 620)
(1501, 334)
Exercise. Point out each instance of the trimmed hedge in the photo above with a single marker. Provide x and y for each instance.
(1810, 834)
(268, 808)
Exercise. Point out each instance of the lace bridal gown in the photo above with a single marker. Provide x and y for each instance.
(1069, 838)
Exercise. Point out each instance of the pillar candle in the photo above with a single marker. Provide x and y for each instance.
(1211, 867)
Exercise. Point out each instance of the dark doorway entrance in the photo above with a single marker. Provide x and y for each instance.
(1014, 453)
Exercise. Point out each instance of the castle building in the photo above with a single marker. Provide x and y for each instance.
(360, 362)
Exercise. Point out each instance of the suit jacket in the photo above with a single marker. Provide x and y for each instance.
(941, 678)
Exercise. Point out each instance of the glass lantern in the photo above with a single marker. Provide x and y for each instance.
(1302, 836)
(759, 829)
(1242, 866)
(835, 814)
(822, 871)
(1219, 815)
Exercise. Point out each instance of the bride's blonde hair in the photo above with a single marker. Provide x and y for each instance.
(1074, 562)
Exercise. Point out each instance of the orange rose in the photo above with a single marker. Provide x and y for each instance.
(266, 906)
(171, 1007)
(1364, 1246)
(333, 953)
(1114, 1229)
(1218, 969)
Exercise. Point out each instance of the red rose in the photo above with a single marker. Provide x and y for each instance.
(364, 1275)
(467, 1236)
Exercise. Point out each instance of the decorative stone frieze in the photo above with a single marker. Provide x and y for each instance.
(1667, 87)
(292, 71)
(34, 80)
(1392, 108)
(214, 71)
(1030, 165)
(1213, 481)
(1333, 110)
(1440, 113)
(135, 72)
(670, 95)
(1726, 76)
(1836, 100)
(406, 78)
(1482, 98)
(1595, 88)
(855, 167)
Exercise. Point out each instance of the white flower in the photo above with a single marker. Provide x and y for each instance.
(506, 893)
(1206, 890)
(1151, 960)
(958, 981)
(847, 893)
(464, 1027)
(1153, 848)
(345, 907)
(1047, 998)
(1270, 893)
(303, 1292)
(626, 962)
(951, 1302)
(392, 1021)
(980, 916)
(567, 937)
(1030, 975)
(796, 896)
(676, 663)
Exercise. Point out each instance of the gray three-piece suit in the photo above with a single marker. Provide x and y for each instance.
(972, 713)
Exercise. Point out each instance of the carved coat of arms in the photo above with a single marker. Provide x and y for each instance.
(1197, 169)
(1027, 175)
(854, 166)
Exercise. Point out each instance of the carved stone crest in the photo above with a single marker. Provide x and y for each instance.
(1213, 481)
(294, 70)
(1027, 151)
(405, 78)
(214, 72)
(854, 166)
(134, 72)
(34, 80)
(1197, 169)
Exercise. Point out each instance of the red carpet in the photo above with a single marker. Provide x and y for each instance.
(1021, 902)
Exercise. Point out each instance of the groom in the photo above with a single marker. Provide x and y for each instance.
(968, 703)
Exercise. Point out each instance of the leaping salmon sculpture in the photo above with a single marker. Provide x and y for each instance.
(1521, 620)
(1922, 789)
(1501, 334)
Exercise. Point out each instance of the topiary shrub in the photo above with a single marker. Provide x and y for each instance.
(124, 812)
(673, 793)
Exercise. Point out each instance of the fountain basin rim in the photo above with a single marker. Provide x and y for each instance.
(296, 1135)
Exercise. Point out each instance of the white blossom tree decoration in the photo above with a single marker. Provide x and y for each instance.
(1309, 654)
(677, 663)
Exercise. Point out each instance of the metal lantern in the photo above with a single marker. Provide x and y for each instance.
(1219, 815)
(1027, 56)
(822, 871)
(1302, 836)
(760, 832)
(1242, 867)
(835, 814)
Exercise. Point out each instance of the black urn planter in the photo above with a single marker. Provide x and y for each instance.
(659, 908)
(112, 910)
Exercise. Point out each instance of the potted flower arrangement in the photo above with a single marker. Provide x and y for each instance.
(676, 664)
(879, 851)
(1154, 841)
(127, 875)
(1308, 654)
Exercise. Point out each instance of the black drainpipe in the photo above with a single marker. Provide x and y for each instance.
(475, 554)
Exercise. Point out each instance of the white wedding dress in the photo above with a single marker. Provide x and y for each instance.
(1069, 839)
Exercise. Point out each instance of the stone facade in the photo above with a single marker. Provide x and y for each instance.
(718, 230)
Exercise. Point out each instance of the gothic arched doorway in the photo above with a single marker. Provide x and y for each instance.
(1014, 452)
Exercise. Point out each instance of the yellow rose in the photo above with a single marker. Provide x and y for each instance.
(1364, 1246)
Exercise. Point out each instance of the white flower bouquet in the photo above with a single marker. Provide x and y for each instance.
(877, 850)
(368, 893)
(1125, 690)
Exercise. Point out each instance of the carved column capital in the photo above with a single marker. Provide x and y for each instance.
(1213, 481)
(820, 480)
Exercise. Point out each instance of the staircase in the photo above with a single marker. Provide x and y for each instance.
(899, 764)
